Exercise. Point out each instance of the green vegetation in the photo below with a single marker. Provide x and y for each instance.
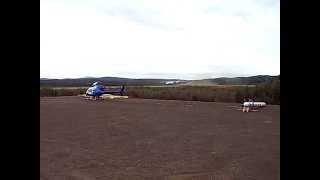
(61, 91)
(268, 91)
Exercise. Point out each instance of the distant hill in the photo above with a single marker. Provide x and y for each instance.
(203, 82)
(112, 81)
(252, 80)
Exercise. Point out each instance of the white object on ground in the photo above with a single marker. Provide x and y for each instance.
(110, 96)
(107, 96)
(254, 104)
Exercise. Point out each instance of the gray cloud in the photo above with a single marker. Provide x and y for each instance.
(268, 2)
(145, 17)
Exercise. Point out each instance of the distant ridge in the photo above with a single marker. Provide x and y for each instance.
(87, 81)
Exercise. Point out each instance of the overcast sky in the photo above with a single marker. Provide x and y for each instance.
(187, 39)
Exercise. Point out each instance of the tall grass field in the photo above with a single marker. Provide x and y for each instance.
(269, 93)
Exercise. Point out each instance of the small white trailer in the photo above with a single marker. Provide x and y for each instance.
(252, 105)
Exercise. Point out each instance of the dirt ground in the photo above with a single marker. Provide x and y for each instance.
(157, 139)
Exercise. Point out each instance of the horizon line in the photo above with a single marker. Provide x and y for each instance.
(123, 77)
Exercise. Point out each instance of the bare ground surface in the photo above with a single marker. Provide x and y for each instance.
(157, 139)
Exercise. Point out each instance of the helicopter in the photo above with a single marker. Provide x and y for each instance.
(97, 90)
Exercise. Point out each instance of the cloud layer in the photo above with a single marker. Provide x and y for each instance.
(191, 38)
